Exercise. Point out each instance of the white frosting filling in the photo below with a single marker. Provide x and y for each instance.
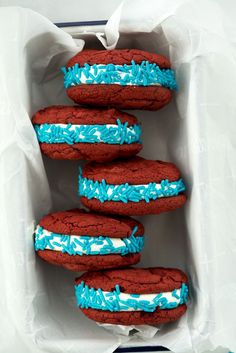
(157, 187)
(58, 242)
(148, 297)
(118, 301)
(97, 133)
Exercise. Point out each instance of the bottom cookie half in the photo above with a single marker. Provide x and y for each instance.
(88, 262)
(135, 208)
(124, 97)
(136, 317)
(99, 152)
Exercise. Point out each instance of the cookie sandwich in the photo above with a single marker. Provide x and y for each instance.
(135, 186)
(121, 78)
(79, 241)
(133, 296)
(99, 135)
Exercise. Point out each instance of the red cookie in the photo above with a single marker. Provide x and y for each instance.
(99, 135)
(81, 241)
(131, 187)
(133, 296)
(122, 78)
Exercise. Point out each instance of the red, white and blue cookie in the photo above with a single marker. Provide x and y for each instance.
(122, 78)
(100, 135)
(81, 241)
(134, 186)
(133, 296)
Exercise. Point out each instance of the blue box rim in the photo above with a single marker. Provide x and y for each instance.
(81, 23)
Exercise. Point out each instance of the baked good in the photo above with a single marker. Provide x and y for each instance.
(81, 241)
(133, 296)
(100, 135)
(122, 78)
(135, 186)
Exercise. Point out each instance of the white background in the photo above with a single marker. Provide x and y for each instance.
(203, 121)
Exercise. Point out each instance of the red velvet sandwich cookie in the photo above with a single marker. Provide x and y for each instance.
(133, 296)
(122, 78)
(100, 135)
(81, 241)
(134, 186)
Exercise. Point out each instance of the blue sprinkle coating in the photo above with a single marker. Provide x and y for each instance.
(111, 301)
(68, 244)
(144, 74)
(115, 135)
(126, 192)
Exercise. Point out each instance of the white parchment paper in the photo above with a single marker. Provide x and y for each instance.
(196, 131)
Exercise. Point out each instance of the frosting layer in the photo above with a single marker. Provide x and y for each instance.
(144, 74)
(85, 245)
(126, 192)
(70, 134)
(117, 301)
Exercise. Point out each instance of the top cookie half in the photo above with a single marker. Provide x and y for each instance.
(121, 78)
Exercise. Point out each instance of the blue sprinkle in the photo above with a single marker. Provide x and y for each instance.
(117, 287)
(175, 295)
(135, 295)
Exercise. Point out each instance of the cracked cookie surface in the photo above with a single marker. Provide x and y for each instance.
(81, 222)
